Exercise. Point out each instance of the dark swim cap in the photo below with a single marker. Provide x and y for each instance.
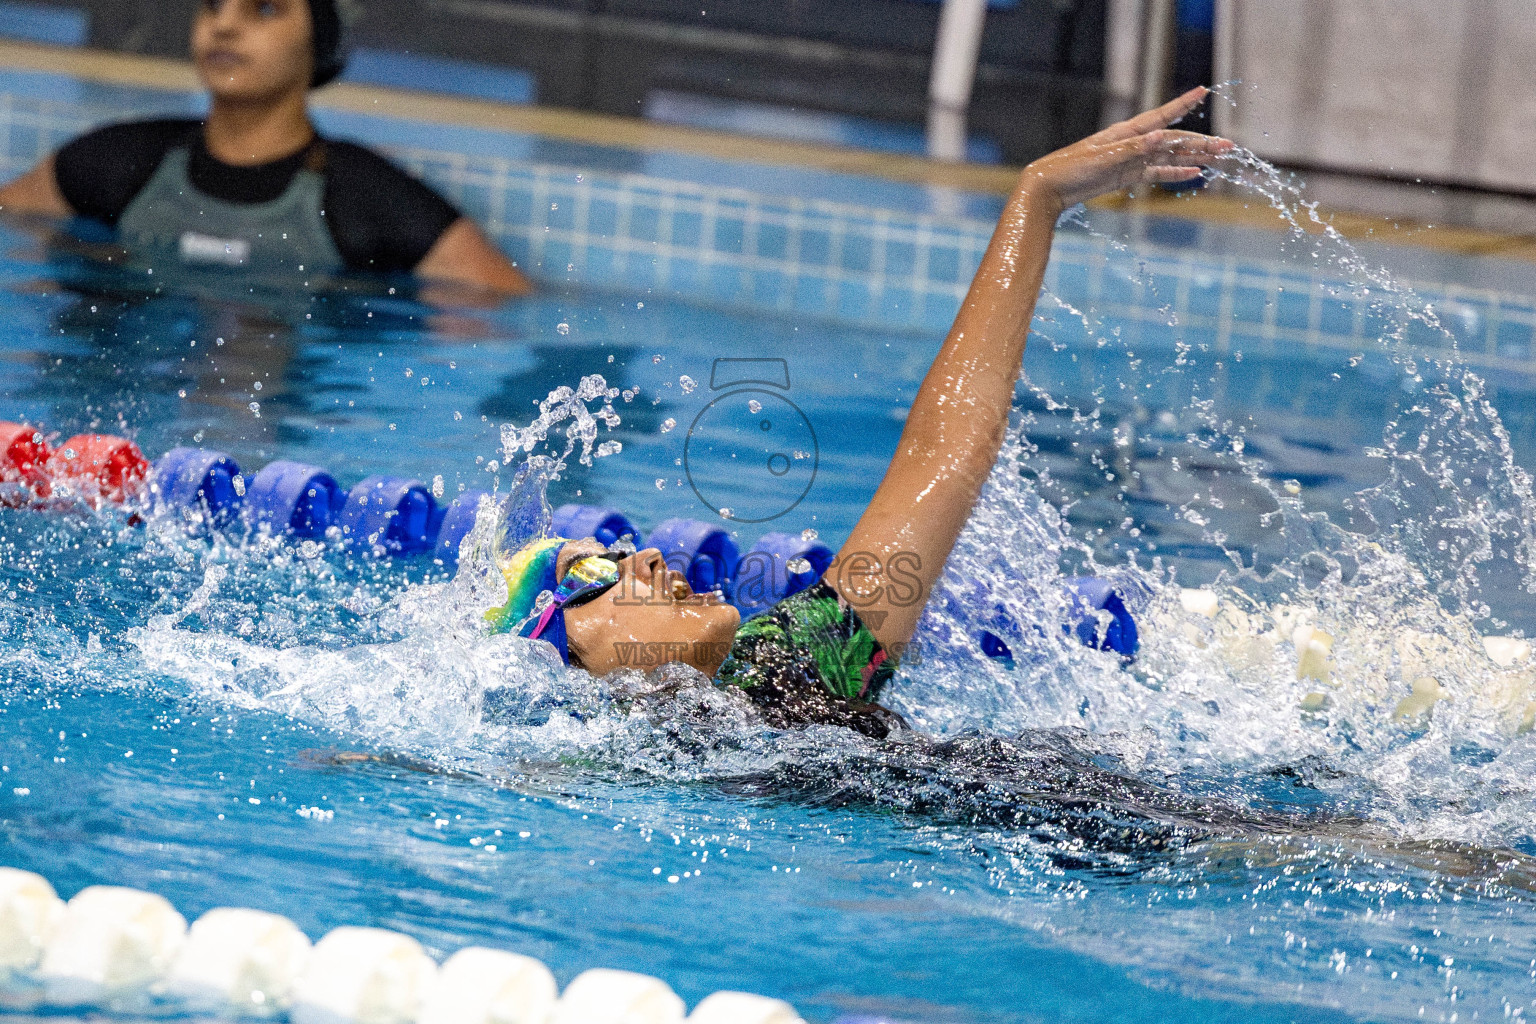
(325, 38)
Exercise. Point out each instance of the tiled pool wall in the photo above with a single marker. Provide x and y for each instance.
(880, 268)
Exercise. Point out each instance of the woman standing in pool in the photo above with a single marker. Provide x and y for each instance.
(823, 655)
(254, 185)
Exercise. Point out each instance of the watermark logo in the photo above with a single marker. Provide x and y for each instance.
(751, 454)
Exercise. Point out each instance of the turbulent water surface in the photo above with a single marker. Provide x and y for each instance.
(1208, 833)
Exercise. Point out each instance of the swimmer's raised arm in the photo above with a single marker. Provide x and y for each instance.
(957, 422)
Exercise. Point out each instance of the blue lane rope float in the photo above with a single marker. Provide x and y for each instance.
(400, 517)
(779, 564)
(294, 499)
(1090, 595)
(702, 552)
(391, 512)
(1087, 596)
(457, 519)
(196, 478)
(606, 525)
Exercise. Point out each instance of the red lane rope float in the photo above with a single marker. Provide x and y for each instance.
(23, 464)
(100, 467)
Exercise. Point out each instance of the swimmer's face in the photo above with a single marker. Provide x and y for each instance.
(253, 50)
(651, 606)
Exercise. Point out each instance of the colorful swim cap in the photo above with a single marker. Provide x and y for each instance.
(530, 571)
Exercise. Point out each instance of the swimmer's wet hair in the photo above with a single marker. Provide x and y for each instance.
(329, 19)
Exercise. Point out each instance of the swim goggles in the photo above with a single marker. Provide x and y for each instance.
(587, 579)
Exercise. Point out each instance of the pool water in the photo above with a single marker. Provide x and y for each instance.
(1068, 840)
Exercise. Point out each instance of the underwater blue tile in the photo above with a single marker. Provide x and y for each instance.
(810, 294)
(1204, 295)
(772, 241)
(683, 274)
(642, 270)
(603, 263)
(900, 259)
(562, 211)
(944, 264)
(603, 217)
(1117, 287)
(815, 247)
(1337, 317)
(939, 313)
(768, 287)
(724, 282)
(858, 253)
(687, 229)
(1293, 309)
(1071, 281)
(730, 235)
(556, 256)
(645, 224)
(517, 251)
(852, 300)
(896, 306)
(1513, 339)
(1249, 304)
(1421, 335)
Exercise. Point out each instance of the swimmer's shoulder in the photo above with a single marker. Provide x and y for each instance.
(381, 216)
(100, 172)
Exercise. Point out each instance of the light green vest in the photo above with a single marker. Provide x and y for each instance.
(289, 232)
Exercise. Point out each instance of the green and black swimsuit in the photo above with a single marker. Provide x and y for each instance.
(811, 660)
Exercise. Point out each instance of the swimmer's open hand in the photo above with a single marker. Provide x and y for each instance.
(1139, 150)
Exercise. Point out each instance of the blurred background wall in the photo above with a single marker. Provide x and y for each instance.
(721, 63)
(1365, 96)
(1413, 90)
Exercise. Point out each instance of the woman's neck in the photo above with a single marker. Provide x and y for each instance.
(246, 134)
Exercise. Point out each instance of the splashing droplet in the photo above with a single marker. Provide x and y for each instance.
(667, 424)
(754, 405)
(563, 328)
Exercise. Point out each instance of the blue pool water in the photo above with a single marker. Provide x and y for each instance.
(1186, 839)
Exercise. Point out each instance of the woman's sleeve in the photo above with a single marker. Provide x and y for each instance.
(100, 172)
(380, 217)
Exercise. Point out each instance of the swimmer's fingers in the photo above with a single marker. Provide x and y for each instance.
(1157, 117)
(1189, 148)
(1093, 167)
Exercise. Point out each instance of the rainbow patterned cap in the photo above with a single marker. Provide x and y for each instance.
(529, 572)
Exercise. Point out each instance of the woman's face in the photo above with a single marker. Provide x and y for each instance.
(253, 50)
(652, 617)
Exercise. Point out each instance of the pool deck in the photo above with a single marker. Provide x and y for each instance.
(640, 135)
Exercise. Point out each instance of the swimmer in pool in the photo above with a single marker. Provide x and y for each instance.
(824, 654)
(254, 184)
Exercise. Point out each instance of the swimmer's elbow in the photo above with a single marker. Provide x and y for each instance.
(464, 256)
(36, 192)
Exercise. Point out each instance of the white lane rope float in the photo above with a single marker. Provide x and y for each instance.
(112, 946)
